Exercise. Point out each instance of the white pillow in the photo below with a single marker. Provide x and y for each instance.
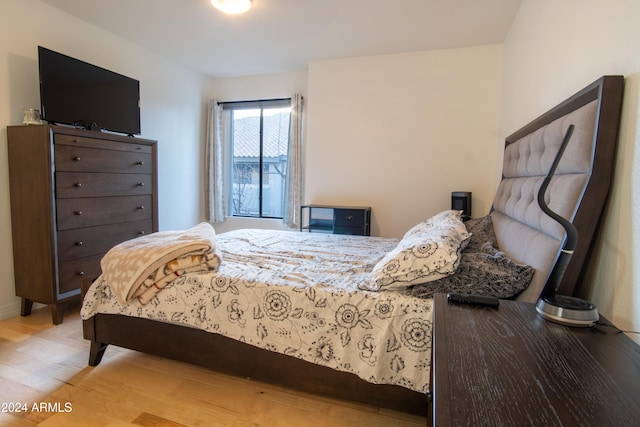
(428, 251)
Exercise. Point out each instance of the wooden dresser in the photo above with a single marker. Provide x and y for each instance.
(74, 195)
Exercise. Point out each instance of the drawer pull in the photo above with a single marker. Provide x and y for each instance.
(141, 184)
(77, 184)
(77, 212)
(141, 232)
(80, 273)
(141, 207)
(76, 158)
(79, 243)
(140, 163)
(349, 217)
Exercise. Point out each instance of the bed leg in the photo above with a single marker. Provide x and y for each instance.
(96, 352)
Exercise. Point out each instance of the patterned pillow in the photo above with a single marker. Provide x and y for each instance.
(483, 269)
(428, 251)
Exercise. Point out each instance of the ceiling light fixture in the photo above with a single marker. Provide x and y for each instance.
(233, 7)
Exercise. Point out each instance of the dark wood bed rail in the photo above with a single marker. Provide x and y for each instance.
(232, 357)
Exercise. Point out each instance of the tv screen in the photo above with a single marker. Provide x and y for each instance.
(74, 92)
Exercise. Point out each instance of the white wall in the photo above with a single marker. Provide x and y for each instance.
(400, 132)
(555, 48)
(380, 130)
(173, 99)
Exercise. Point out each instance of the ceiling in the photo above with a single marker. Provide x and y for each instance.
(285, 35)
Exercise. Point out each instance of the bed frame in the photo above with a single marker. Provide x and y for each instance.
(235, 358)
(578, 191)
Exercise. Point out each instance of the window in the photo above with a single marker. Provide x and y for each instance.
(258, 140)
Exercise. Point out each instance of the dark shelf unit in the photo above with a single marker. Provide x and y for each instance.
(354, 220)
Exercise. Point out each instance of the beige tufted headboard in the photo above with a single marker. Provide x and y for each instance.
(578, 190)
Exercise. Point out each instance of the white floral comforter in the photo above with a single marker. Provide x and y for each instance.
(297, 294)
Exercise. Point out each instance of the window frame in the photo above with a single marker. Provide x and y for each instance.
(230, 107)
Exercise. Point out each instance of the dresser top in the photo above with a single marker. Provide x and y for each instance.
(69, 130)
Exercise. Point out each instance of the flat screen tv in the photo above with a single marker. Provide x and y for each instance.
(76, 93)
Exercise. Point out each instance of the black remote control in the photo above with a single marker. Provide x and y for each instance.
(473, 299)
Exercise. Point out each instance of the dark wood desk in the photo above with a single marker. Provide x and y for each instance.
(507, 366)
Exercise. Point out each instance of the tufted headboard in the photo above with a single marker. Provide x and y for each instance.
(578, 190)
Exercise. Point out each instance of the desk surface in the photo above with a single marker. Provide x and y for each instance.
(508, 366)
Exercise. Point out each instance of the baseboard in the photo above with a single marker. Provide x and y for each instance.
(13, 309)
(10, 310)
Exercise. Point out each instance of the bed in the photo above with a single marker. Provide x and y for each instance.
(341, 327)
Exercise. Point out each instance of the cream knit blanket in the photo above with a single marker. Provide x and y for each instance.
(141, 267)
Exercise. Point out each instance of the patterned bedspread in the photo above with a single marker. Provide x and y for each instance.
(297, 294)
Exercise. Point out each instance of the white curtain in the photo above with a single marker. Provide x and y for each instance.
(214, 173)
(293, 184)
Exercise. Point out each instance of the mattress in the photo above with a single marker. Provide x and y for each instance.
(298, 294)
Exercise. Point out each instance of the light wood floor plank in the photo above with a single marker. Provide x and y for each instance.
(46, 365)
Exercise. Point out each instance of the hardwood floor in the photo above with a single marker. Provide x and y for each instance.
(45, 381)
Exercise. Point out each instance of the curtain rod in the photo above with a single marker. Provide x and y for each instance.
(255, 102)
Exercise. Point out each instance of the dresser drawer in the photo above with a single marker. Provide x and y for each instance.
(70, 158)
(71, 273)
(84, 242)
(93, 211)
(86, 184)
(105, 141)
(348, 218)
